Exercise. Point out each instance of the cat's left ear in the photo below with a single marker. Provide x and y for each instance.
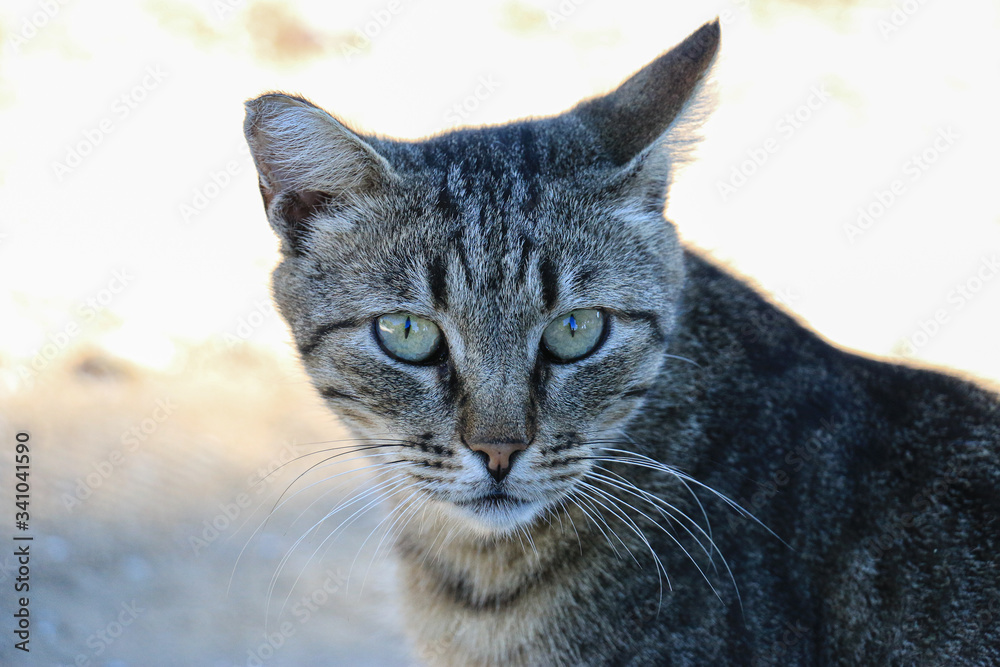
(637, 125)
(307, 159)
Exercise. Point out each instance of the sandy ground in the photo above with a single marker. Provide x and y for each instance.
(145, 488)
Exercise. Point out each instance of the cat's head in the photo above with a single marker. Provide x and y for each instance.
(482, 305)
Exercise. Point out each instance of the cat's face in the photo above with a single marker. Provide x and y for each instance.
(481, 308)
(536, 322)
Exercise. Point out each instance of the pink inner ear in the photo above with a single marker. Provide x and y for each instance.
(292, 214)
(302, 205)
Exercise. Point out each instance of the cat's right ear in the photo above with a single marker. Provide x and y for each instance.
(639, 127)
(307, 161)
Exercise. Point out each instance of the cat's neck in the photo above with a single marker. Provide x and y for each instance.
(475, 599)
(478, 569)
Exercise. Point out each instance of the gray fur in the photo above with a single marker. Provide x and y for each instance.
(873, 487)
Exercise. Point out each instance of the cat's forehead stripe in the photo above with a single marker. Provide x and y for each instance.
(498, 166)
(486, 189)
(437, 280)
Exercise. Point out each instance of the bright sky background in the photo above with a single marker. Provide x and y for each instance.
(152, 92)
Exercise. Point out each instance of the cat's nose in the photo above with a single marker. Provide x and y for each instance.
(498, 456)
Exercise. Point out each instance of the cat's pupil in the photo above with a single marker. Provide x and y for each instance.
(406, 328)
(572, 325)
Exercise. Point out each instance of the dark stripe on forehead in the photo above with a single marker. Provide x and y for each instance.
(550, 283)
(436, 155)
(437, 278)
(457, 242)
(493, 229)
(524, 262)
(396, 280)
(530, 168)
(446, 204)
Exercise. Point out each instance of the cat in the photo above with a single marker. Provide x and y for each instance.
(596, 446)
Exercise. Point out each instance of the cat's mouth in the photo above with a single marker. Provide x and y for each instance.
(499, 511)
(493, 500)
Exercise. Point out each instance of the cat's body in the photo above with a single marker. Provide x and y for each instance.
(532, 476)
(881, 479)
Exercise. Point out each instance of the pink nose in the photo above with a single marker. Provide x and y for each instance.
(498, 456)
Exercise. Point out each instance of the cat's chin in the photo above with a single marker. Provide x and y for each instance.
(497, 513)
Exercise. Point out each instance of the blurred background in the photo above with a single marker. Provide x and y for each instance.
(848, 170)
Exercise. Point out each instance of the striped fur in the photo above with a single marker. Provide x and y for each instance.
(610, 541)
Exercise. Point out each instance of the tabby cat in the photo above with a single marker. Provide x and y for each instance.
(597, 447)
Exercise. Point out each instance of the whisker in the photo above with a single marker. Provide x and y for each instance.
(330, 458)
(650, 498)
(587, 499)
(572, 523)
(697, 500)
(389, 441)
(393, 536)
(679, 358)
(659, 504)
(393, 483)
(288, 500)
(373, 531)
(278, 506)
(349, 521)
(531, 542)
(621, 514)
(678, 543)
(641, 460)
(571, 499)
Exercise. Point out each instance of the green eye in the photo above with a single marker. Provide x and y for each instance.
(408, 337)
(574, 335)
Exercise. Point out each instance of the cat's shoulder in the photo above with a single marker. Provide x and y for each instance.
(936, 415)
